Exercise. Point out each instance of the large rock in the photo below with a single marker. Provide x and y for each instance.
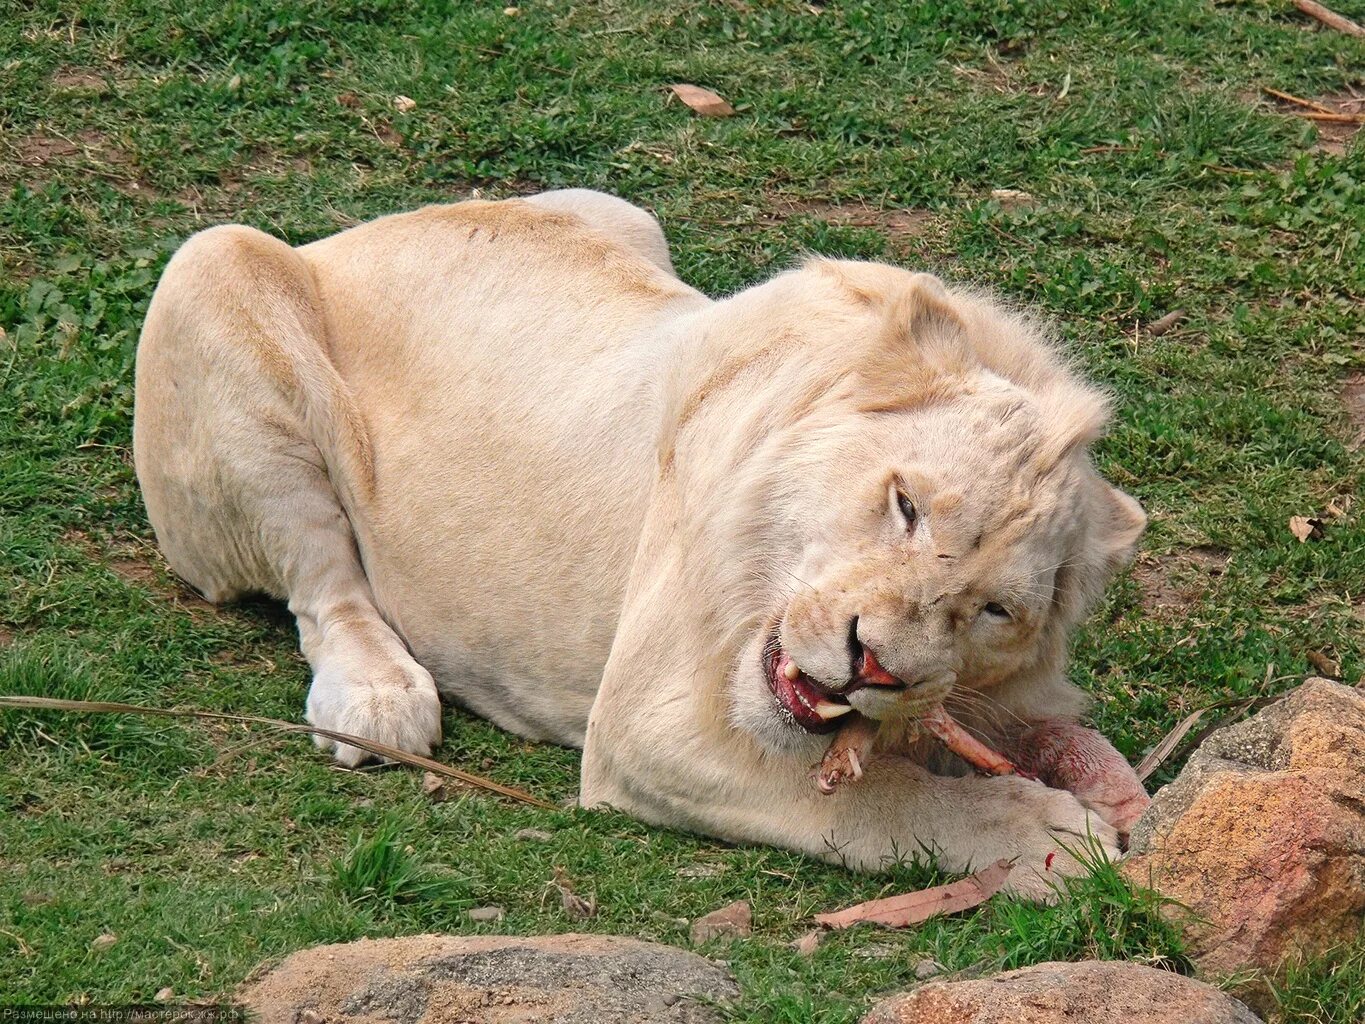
(1090, 992)
(442, 979)
(1262, 835)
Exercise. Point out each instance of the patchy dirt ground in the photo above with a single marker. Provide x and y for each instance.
(1353, 401)
(1174, 582)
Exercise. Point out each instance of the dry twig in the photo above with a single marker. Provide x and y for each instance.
(1161, 325)
(1289, 97)
(1313, 115)
(1330, 18)
(373, 746)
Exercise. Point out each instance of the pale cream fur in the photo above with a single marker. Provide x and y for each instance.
(499, 450)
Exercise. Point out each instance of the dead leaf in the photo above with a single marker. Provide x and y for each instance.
(807, 944)
(703, 102)
(914, 907)
(536, 835)
(1304, 527)
(485, 915)
(1162, 750)
(1340, 506)
(403, 104)
(1324, 665)
(104, 941)
(164, 995)
(574, 905)
(348, 99)
(733, 922)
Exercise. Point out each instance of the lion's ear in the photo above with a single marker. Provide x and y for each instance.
(922, 321)
(1114, 523)
(922, 314)
(1117, 526)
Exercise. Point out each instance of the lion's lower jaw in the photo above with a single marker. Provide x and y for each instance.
(754, 712)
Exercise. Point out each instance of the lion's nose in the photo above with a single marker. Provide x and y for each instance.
(871, 673)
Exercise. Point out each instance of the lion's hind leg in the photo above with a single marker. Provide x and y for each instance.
(245, 442)
(623, 222)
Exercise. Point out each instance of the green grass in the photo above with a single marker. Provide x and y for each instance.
(1325, 988)
(1161, 178)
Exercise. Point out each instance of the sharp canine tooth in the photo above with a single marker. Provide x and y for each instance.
(791, 671)
(827, 709)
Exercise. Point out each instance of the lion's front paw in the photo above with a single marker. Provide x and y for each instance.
(1043, 831)
(391, 701)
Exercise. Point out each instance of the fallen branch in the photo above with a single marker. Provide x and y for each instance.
(914, 907)
(373, 746)
(1330, 18)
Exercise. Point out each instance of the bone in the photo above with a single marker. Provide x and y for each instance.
(852, 746)
(850, 749)
(966, 746)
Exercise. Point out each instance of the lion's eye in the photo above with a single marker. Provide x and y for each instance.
(907, 508)
(998, 610)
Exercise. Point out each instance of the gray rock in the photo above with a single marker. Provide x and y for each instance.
(484, 915)
(927, 968)
(437, 979)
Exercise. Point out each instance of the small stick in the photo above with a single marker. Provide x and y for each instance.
(1313, 115)
(373, 746)
(1299, 100)
(1163, 324)
(1330, 18)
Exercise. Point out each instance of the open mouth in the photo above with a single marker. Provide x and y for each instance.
(812, 706)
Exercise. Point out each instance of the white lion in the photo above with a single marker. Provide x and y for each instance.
(499, 452)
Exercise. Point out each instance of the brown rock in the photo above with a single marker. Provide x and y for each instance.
(1090, 992)
(732, 922)
(1262, 836)
(494, 979)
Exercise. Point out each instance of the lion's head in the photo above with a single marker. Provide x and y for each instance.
(921, 519)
